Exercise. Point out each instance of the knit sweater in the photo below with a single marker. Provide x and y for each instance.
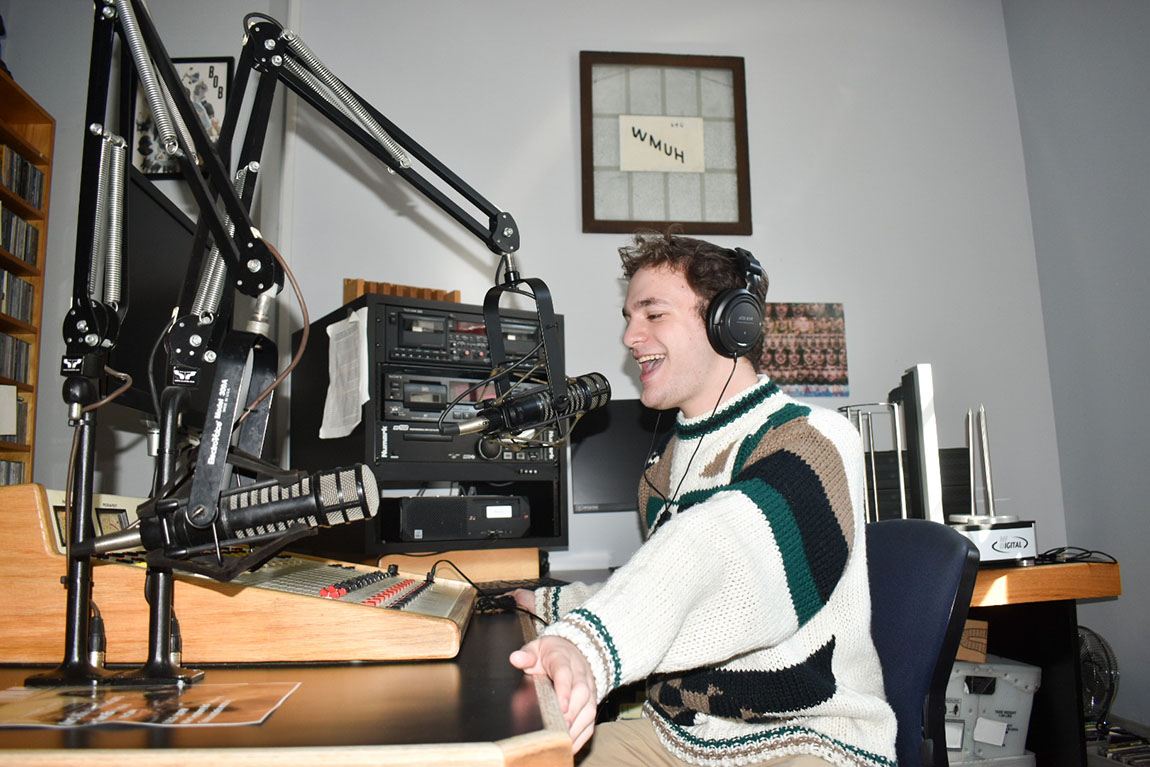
(747, 608)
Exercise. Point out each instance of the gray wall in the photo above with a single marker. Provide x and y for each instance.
(887, 172)
(1082, 71)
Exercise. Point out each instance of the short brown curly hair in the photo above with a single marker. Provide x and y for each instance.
(708, 268)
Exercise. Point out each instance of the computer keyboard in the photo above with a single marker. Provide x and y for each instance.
(494, 588)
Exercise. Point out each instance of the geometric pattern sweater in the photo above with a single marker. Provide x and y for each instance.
(747, 608)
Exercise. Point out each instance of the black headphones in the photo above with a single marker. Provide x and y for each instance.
(735, 316)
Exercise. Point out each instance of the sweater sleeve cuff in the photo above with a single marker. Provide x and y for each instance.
(584, 630)
(553, 602)
(547, 604)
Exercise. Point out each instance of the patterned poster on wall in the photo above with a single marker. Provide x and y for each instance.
(805, 351)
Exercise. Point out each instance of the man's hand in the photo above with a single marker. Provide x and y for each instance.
(570, 675)
(525, 598)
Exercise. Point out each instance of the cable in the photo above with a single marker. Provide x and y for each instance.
(152, 388)
(500, 267)
(698, 445)
(495, 375)
(651, 456)
(69, 481)
(304, 334)
(455, 567)
(256, 15)
(70, 470)
(1073, 554)
(486, 602)
(127, 379)
(97, 638)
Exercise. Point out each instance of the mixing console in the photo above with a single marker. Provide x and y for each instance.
(293, 609)
(352, 584)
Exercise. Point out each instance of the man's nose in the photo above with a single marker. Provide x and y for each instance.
(632, 334)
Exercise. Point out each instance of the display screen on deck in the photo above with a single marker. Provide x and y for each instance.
(519, 338)
(421, 395)
(460, 393)
(474, 328)
(422, 331)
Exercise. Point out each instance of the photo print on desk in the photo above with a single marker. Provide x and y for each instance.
(207, 81)
(805, 351)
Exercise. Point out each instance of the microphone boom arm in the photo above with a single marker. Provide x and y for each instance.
(282, 54)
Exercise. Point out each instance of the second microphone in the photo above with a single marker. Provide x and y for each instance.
(536, 408)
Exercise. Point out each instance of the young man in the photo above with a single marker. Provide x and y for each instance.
(747, 608)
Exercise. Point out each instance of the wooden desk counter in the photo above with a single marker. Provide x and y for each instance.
(1046, 583)
(1032, 617)
(473, 711)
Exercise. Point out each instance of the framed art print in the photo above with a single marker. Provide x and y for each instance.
(805, 351)
(206, 81)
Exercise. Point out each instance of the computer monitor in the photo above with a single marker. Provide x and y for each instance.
(915, 396)
(609, 448)
(158, 240)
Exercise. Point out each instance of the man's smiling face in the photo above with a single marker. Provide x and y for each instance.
(666, 336)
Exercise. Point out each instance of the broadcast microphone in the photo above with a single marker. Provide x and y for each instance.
(317, 500)
(516, 414)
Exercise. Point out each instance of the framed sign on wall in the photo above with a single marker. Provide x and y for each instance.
(664, 140)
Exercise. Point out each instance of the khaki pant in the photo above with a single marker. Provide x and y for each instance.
(633, 743)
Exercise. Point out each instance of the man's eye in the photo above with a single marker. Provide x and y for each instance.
(654, 316)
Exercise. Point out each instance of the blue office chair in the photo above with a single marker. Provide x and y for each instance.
(921, 579)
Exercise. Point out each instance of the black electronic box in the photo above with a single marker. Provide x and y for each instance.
(423, 356)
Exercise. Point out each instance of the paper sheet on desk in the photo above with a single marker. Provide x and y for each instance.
(347, 387)
(158, 706)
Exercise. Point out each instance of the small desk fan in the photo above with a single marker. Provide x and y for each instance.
(1099, 668)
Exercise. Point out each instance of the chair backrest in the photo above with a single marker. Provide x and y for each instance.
(921, 579)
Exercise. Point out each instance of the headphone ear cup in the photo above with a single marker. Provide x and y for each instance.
(734, 322)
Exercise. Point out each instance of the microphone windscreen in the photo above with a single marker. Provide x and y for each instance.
(340, 498)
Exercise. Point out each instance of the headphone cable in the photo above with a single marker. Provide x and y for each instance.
(699, 444)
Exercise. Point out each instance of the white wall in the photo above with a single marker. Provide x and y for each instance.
(886, 168)
(886, 173)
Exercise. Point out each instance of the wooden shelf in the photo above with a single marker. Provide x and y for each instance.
(27, 129)
(19, 205)
(16, 327)
(17, 266)
(25, 125)
(20, 385)
(10, 135)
